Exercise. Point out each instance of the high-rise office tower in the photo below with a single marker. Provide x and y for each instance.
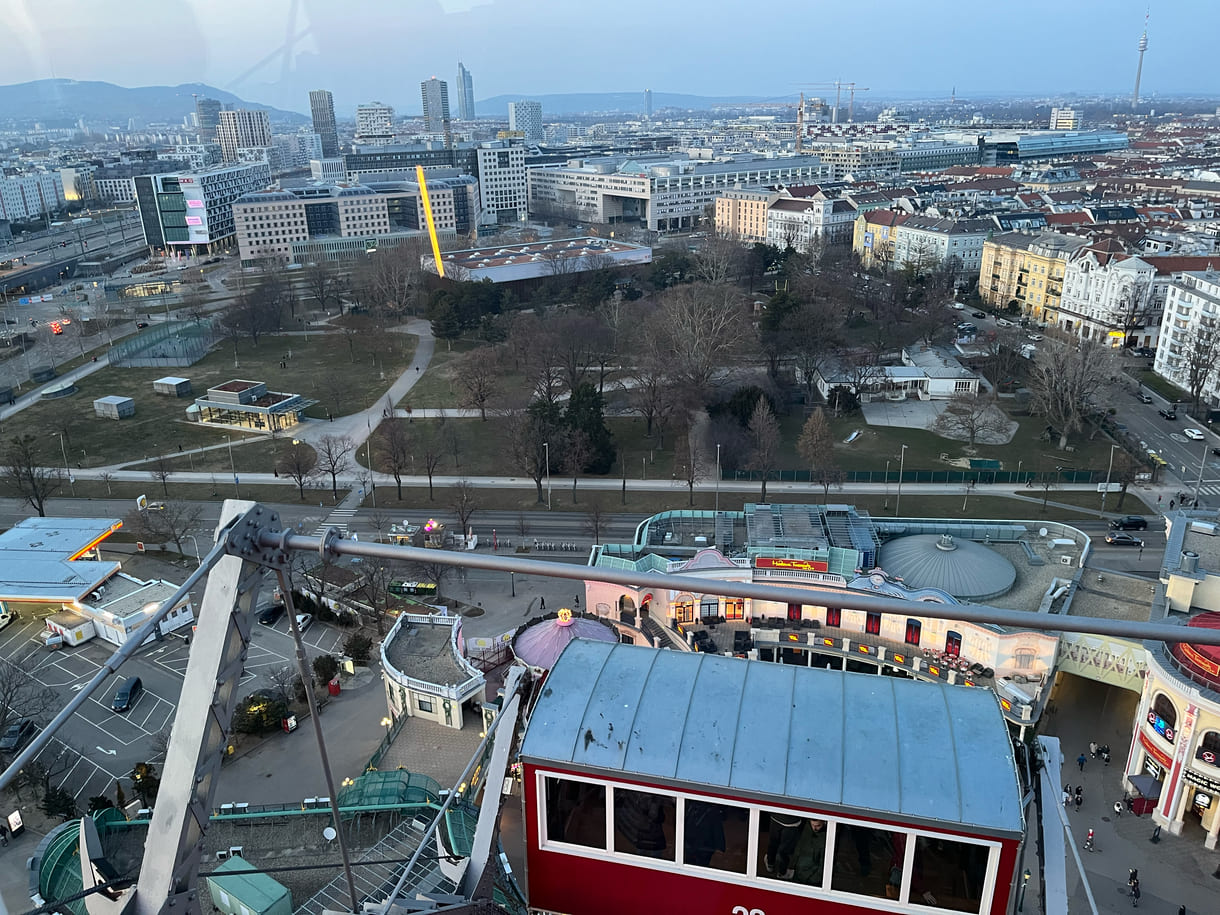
(322, 107)
(435, 95)
(374, 124)
(648, 103)
(465, 93)
(207, 113)
(1065, 119)
(527, 118)
(1139, 69)
(242, 129)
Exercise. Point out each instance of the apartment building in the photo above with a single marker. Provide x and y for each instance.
(1065, 119)
(434, 94)
(661, 195)
(242, 129)
(742, 214)
(1027, 268)
(805, 223)
(374, 124)
(193, 210)
(526, 118)
(857, 159)
(503, 188)
(1191, 317)
(30, 195)
(923, 242)
(873, 236)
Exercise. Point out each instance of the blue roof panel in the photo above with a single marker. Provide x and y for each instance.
(821, 738)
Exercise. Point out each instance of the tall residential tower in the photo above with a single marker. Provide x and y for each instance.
(242, 128)
(322, 107)
(465, 93)
(435, 95)
(527, 118)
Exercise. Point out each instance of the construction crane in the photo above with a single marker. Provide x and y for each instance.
(851, 100)
(838, 86)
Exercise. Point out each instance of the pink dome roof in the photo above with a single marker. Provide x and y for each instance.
(541, 644)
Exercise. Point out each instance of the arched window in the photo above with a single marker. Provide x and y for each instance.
(1163, 717)
(1209, 748)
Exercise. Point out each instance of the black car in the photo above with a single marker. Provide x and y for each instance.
(271, 615)
(128, 694)
(1129, 523)
(978, 314)
(140, 325)
(1118, 538)
(18, 735)
(1171, 414)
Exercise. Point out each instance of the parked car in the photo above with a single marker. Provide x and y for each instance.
(1037, 338)
(6, 618)
(140, 325)
(1216, 452)
(1129, 523)
(1169, 413)
(1118, 538)
(978, 314)
(1142, 397)
(19, 733)
(304, 620)
(1002, 322)
(958, 306)
(271, 615)
(1195, 435)
(128, 694)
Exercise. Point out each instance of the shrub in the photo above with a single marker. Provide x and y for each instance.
(258, 714)
(59, 803)
(99, 802)
(325, 667)
(358, 647)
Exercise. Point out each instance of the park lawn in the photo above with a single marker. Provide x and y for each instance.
(252, 455)
(435, 388)
(321, 368)
(877, 444)
(222, 488)
(1133, 503)
(1166, 389)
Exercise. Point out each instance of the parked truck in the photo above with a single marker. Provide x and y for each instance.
(71, 628)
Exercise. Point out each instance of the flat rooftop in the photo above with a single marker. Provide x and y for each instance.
(1115, 597)
(539, 251)
(38, 558)
(422, 652)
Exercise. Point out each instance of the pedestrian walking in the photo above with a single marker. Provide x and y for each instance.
(1158, 499)
(1132, 875)
(1135, 894)
(1079, 801)
(4, 835)
(1118, 808)
(1171, 504)
(1093, 748)
(1067, 799)
(1080, 761)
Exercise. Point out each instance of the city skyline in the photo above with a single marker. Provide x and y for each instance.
(927, 52)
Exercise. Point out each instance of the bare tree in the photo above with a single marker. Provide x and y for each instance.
(22, 694)
(528, 438)
(298, 462)
(170, 524)
(718, 260)
(465, 503)
(334, 457)
(431, 449)
(23, 475)
(1067, 383)
(764, 434)
(649, 387)
(107, 477)
(323, 282)
(696, 468)
(816, 446)
(596, 519)
(280, 678)
(161, 472)
(1136, 307)
(1199, 357)
(702, 329)
(812, 333)
(970, 415)
(478, 375)
(577, 451)
(394, 449)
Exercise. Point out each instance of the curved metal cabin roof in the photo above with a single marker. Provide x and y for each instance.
(897, 748)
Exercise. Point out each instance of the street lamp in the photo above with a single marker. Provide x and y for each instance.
(1199, 482)
(547, 450)
(387, 722)
(887, 484)
(368, 457)
(1105, 492)
(198, 555)
(64, 452)
(717, 477)
(902, 457)
(1024, 883)
(232, 466)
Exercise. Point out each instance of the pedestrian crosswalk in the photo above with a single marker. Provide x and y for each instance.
(337, 519)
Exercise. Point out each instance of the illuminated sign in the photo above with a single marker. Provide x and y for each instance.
(194, 221)
(900, 659)
(1005, 704)
(1155, 752)
(197, 204)
(1161, 726)
(565, 617)
(800, 565)
(793, 637)
(1201, 780)
(829, 643)
(1207, 756)
(1202, 662)
(935, 671)
(186, 180)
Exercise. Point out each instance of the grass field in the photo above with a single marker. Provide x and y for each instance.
(222, 488)
(436, 387)
(252, 455)
(343, 373)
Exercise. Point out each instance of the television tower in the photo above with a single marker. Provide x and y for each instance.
(1135, 97)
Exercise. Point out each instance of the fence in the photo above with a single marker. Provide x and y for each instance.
(980, 476)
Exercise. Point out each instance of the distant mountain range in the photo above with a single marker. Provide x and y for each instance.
(62, 102)
(606, 102)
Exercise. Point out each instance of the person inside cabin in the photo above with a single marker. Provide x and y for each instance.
(810, 855)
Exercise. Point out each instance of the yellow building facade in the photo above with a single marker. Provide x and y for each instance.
(1026, 269)
(873, 237)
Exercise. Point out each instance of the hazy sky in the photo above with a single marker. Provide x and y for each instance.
(381, 49)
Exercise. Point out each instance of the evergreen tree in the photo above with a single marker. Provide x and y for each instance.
(584, 415)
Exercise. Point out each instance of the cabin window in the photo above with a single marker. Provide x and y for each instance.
(834, 617)
(868, 861)
(716, 835)
(872, 624)
(644, 823)
(791, 847)
(709, 607)
(948, 875)
(575, 812)
(734, 608)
